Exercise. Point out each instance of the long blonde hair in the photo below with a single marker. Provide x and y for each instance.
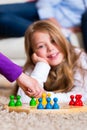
(60, 77)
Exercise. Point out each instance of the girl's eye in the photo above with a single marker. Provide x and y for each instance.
(41, 46)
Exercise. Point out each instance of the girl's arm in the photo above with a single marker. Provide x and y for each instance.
(40, 72)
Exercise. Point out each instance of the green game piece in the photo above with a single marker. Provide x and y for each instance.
(33, 102)
(12, 102)
(18, 102)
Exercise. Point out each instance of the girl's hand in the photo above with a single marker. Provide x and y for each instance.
(36, 59)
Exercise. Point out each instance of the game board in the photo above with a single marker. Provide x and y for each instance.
(64, 108)
(46, 105)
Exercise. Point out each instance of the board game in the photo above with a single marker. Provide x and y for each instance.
(46, 105)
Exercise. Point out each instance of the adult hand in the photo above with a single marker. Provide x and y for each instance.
(30, 86)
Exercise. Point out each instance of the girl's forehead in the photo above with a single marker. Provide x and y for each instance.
(42, 33)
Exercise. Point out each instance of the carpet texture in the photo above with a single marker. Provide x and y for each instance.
(38, 121)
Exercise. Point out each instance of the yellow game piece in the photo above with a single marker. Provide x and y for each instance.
(44, 102)
(49, 95)
(37, 102)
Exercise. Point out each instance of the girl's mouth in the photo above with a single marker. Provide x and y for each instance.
(52, 56)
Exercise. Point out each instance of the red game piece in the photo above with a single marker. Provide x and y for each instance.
(78, 101)
(72, 100)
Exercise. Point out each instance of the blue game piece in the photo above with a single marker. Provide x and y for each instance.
(40, 106)
(48, 105)
(55, 105)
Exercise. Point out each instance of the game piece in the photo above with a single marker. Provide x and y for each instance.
(44, 102)
(78, 101)
(49, 95)
(72, 100)
(37, 102)
(48, 105)
(11, 102)
(33, 102)
(18, 102)
(55, 105)
(40, 106)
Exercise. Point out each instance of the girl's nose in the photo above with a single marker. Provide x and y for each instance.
(50, 47)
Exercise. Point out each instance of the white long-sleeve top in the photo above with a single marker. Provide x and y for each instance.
(41, 72)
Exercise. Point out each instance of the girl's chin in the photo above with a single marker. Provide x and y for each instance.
(53, 65)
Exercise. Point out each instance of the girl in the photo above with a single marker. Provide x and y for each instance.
(58, 66)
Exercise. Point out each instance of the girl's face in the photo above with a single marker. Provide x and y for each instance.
(46, 48)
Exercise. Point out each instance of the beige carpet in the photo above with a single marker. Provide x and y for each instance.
(38, 121)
